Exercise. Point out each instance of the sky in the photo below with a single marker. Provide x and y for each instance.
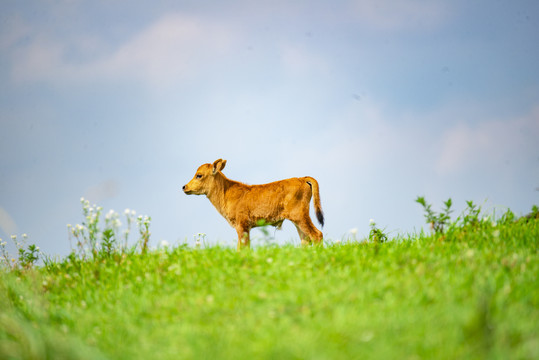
(381, 101)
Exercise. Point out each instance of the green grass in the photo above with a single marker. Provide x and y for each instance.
(471, 293)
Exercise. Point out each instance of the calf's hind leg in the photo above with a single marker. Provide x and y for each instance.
(308, 233)
(304, 239)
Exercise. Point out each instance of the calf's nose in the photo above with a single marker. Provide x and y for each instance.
(183, 188)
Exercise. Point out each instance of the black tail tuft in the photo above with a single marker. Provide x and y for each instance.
(320, 217)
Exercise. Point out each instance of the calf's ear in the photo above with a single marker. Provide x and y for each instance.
(218, 165)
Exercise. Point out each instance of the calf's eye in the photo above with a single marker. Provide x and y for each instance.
(199, 176)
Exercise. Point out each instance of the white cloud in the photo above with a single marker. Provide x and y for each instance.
(488, 144)
(172, 48)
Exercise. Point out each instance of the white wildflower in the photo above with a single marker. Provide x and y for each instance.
(164, 244)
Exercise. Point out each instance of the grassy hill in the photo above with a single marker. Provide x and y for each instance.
(471, 292)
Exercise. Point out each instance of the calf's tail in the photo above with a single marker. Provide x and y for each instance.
(316, 195)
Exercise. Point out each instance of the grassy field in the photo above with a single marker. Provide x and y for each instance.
(471, 292)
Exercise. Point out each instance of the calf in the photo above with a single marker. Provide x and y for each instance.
(248, 206)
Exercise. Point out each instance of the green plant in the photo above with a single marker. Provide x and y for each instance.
(437, 221)
(6, 258)
(144, 231)
(27, 255)
(534, 214)
(200, 239)
(376, 235)
(507, 218)
(109, 241)
(471, 214)
(98, 236)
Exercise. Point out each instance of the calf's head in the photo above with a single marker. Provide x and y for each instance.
(203, 181)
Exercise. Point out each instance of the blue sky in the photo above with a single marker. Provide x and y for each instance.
(381, 101)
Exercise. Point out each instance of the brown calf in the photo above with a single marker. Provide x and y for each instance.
(248, 206)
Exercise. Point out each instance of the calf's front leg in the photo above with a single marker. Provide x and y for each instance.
(243, 237)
